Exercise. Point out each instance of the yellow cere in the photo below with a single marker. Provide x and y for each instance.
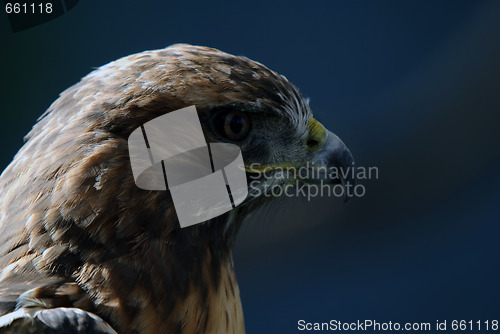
(317, 135)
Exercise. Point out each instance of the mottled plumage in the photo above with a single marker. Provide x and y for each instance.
(77, 237)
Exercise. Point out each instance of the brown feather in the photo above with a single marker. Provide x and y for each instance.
(77, 232)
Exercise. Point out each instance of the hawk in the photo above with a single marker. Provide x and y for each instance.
(84, 250)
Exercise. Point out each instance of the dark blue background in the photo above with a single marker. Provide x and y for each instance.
(413, 87)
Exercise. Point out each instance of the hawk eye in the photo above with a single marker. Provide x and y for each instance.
(234, 125)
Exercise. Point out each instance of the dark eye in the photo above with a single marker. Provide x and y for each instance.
(234, 125)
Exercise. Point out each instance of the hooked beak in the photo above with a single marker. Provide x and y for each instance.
(329, 161)
(334, 163)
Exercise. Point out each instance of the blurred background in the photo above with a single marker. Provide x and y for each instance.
(412, 87)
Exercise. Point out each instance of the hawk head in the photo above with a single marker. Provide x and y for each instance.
(77, 232)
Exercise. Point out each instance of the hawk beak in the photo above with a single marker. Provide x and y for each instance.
(330, 158)
(329, 161)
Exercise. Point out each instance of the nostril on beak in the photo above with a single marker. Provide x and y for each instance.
(317, 135)
(312, 143)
